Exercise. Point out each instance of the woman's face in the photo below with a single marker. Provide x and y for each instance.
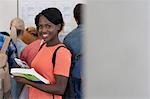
(48, 30)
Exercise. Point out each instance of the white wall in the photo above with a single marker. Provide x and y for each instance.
(29, 9)
(8, 9)
(117, 49)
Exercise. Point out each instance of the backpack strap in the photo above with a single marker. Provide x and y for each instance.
(5, 44)
(54, 58)
(41, 46)
(54, 55)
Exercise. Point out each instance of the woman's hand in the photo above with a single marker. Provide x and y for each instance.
(21, 79)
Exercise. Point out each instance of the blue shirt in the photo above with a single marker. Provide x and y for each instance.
(20, 45)
(11, 50)
(73, 42)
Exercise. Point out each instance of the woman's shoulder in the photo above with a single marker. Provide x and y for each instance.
(63, 49)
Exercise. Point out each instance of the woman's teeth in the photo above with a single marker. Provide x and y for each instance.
(45, 35)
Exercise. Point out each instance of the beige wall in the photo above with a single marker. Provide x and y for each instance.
(117, 49)
(8, 10)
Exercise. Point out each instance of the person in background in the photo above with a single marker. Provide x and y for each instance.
(17, 29)
(17, 26)
(11, 53)
(49, 25)
(73, 42)
(29, 35)
(11, 50)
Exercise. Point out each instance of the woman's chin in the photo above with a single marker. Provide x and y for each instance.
(47, 40)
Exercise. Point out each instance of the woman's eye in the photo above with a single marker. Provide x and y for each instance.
(48, 26)
(44, 26)
(40, 27)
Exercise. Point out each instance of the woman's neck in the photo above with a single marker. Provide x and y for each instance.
(53, 42)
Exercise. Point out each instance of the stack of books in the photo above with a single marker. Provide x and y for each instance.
(28, 73)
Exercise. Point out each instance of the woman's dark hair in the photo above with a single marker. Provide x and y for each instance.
(37, 21)
(77, 12)
(53, 15)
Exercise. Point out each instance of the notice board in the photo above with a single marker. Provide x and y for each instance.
(28, 9)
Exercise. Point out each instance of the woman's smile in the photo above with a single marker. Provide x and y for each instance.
(44, 36)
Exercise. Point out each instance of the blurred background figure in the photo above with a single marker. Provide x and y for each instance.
(11, 50)
(73, 42)
(30, 35)
(17, 26)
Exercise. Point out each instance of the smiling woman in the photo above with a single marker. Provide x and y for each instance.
(48, 30)
(49, 23)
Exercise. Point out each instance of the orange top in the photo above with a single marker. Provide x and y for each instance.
(30, 52)
(42, 63)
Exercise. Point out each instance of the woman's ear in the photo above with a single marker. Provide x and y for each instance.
(58, 27)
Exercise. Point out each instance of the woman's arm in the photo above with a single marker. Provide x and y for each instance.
(57, 88)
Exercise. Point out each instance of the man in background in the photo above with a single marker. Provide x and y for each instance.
(73, 42)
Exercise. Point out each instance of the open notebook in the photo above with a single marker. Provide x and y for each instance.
(29, 74)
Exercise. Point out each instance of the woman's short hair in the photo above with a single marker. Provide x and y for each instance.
(53, 15)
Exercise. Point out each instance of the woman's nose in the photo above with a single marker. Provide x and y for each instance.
(44, 29)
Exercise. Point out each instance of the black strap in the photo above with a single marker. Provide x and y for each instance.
(54, 55)
(53, 96)
(41, 46)
(54, 58)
